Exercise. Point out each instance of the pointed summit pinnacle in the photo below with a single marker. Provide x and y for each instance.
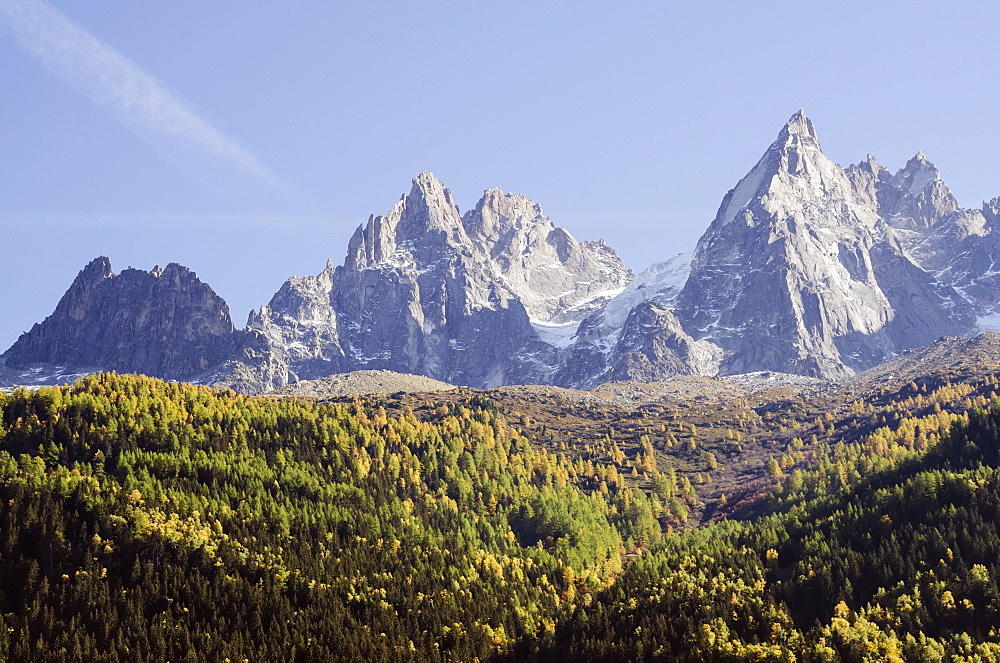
(799, 125)
(97, 269)
(425, 178)
(427, 186)
(919, 164)
(430, 204)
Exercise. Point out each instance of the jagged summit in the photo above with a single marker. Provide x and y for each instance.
(794, 163)
(424, 290)
(808, 268)
(429, 205)
(164, 322)
(798, 126)
(426, 216)
(499, 213)
(98, 268)
(917, 174)
(914, 198)
(558, 279)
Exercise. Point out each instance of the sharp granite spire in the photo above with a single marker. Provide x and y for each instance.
(424, 290)
(803, 272)
(166, 323)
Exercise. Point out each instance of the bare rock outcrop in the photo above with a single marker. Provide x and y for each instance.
(557, 279)
(811, 269)
(808, 268)
(469, 300)
(164, 322)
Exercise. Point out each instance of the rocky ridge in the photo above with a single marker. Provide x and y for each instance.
(165, 322)
(479, 299)
(955, 359)
(808, 268)
(796, 274)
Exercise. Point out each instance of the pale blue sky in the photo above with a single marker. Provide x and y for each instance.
(247, 139)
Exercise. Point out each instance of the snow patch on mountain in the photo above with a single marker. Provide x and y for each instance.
(660, 283)
(559, 335)
(989, 323)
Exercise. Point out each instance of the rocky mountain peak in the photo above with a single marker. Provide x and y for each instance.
(792, 169)
(429, 207)
(97, 269)
(799, 129)
(916, 198)
(497, 214)
(795, 275)
(86, 282)
(176, 273)
(798, 165)
(426, 220)
(163, 322)
(917, 174)
(871, 167)
(991, 210)
(558, 279)
(869, 179)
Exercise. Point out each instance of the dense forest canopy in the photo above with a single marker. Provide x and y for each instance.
(142, 520)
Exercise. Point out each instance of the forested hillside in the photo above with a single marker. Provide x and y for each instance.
(896, 562)
(145, 521)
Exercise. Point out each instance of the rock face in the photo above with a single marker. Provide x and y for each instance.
(637, 336)
(416, 295)
(165, 322)
(968, 253)
(808, 268)
(557, 279)
(797, 275)
(426, 290)
(958, 247)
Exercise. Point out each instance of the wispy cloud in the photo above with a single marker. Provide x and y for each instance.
(161, 117)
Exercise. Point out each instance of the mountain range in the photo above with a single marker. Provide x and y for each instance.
(808, 268)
